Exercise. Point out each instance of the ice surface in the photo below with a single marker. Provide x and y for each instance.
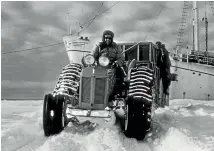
(183, 126)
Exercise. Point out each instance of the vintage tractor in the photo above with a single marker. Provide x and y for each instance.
(83, 89)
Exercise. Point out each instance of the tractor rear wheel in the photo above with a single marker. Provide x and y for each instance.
(137, 122)
(139, 103)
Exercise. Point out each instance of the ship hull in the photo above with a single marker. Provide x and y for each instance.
(195, 81)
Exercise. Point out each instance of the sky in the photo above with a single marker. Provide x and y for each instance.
(29, 24)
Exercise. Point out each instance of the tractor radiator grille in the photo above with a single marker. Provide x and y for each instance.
(86, 88)
(100, 85)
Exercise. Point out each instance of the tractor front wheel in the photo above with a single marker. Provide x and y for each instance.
(53, 114)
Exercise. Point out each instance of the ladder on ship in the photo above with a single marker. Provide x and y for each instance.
(196, 56)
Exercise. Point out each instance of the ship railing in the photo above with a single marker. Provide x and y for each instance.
(196, 57)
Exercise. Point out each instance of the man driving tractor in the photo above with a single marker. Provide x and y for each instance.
(111, 50)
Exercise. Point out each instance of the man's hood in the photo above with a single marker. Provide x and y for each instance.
(108, 32)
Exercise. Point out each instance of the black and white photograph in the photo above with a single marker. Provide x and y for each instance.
(107, 75)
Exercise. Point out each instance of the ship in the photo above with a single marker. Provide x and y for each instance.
(194, 68)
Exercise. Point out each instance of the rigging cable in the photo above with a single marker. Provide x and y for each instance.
(83, 24)
(93, 19)
(29, 49)
(155, 20)
(88, 20)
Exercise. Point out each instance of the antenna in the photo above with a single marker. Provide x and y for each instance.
(78, 33)
(68, 30)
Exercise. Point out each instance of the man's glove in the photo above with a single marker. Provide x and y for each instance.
(115, 64)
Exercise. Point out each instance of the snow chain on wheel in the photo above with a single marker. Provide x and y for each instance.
(68, 83)
(139, 102)
(66, 90)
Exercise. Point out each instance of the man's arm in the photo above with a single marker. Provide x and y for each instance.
(168, 62)
(120, 58)
(95, 52)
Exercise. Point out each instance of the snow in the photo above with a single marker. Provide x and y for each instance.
(183, 126)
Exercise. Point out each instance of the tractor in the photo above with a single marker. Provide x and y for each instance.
(82, 89)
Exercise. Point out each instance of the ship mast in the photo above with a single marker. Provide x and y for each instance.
(195, 27)
(206, 27)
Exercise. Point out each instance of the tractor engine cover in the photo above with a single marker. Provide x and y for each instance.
(93, 88)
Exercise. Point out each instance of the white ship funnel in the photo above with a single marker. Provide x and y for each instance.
(76, 47)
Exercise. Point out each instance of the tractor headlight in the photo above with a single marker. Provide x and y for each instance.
(104, 61)
(88, 59)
